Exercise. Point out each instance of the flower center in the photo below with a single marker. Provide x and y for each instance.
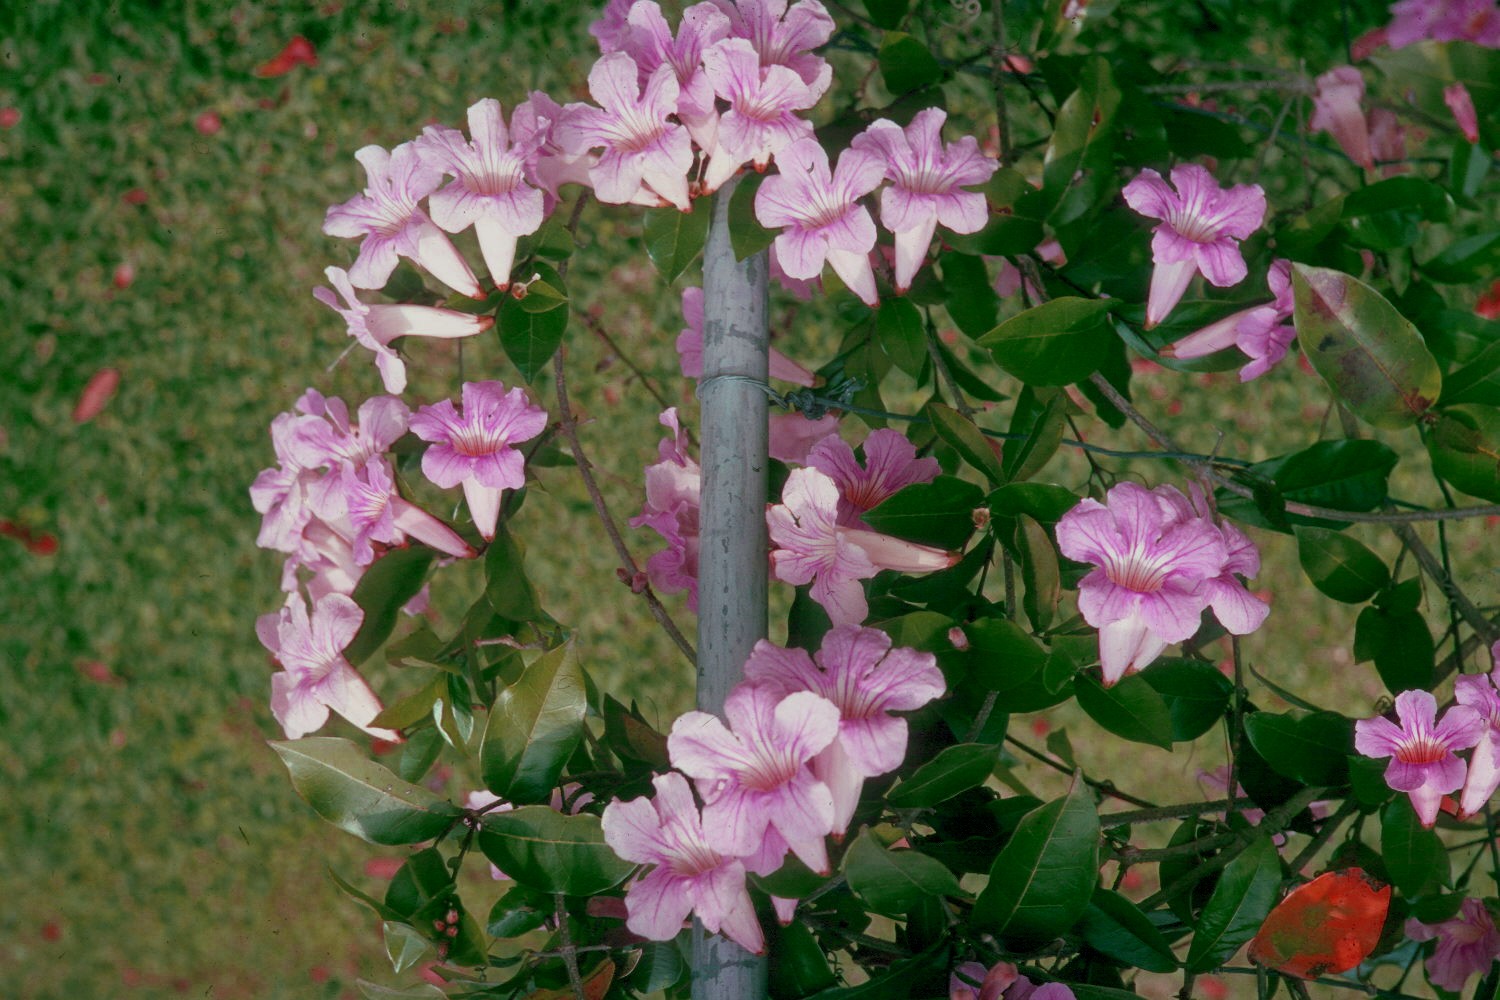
(695, 858)
(634, 131)
(1137, 571)
(772, 768)
(1424, 748)
(472, 442)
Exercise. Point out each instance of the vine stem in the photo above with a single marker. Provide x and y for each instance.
(1171, 812)
(1348, 808)
(569, 953)
(1104, 787)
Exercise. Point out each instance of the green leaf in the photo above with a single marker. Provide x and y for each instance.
(1389, 214)
(956, 769)
(1401, 645)
(1116, 927)
(547, 851)
(1464, 260)
(1056, 343)
(403, 945)
(419, 991)
(534, 728)
(1369, 354)
(964, 437)
(386, 586)
(939, 513)
(506, 584)
(1313, 749)
(1131, 709)
(1196, 695)
(381, 910)
(894, 882)
(528, 338)
(907, 64)
(1347, 474)
(674, 239)
(1242, 900)
(1414, 857)
(969, 295)
(793, 880)
(1039, 417)
(1001, 655)
(413, 708)
(1340, 566)
(358, 795)
(902, 335)
(1039, 572)
(661, 967)
(1015, 224)
(798, 964)
(418, 754)
(1077, 173)
(746, 235)
(1465, 449)
(1476, 382)
(1044, 876)
(520, 911)
(886, 13)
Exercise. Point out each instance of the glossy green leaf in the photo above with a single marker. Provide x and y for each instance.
(907, 64)
(1339, 565)
(1346, 474)
(534, 727)
(547, 851)
(1241, 901)
(1478, 381)
(530, 339)
(1415, 858)
(1464, 260)
(1465, 449)
(798, 964)
(1057, 343)
(1077, 172)
(520, 911)
(886, 13)
(661, 967)
(358, 795)
(1039, 572)
(1044, 876)
(939, 513)
(403, 945)
(1369, 354)
(1039, 420)
(674, 238)
(969, 294)
(506, 585)
(385, 587)
(964, 437)
(1015, 226)
(746, 235)
(1131, 709)
(894, 882)
(418, 991)
(414, 707)
(1390, 214)
(1196, 695)
(954, 770)
(902, 334)
(1114, 926)
(1401, 645)
(1313, 749)
(1001, 655)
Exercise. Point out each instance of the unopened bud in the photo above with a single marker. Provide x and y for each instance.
(452, 931)
(981, 517)
(958, 637)
(452, 916)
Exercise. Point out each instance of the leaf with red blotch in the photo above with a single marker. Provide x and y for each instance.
(298, 52)
(1329, 925)
(96, 394)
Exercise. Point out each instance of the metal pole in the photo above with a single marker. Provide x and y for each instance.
(732, 554)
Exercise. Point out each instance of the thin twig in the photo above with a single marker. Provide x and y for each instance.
(569, 953)
(597, 329)
(1104, 787)
(1182, 811)
(1348, 808)
(997, 79)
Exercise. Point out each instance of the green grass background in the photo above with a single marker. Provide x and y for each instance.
(149, 842)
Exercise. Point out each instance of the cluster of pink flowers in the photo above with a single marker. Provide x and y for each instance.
(1002, 981)
(803, 734)
(1412, 21)
(1160, 560)
(1262, 333)
(1466, 943)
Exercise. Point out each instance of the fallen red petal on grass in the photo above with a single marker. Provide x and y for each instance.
(96, 395)
(10, 117)
(208, 123)
(99, 672)
(135, 196)
(297, 52)
(1488, 305)
(38, 543)
(123, 277)
(51, 931)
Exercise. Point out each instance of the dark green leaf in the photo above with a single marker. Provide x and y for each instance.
(358, 795)
(661, 967)
(799, 966)
(1196, 694)
(1016, 213)
(381, 910)
(1476, 382)
(1340, 566)
(520, 911)
(1464, 260)
(902, 334)
(674, 239)
(1039, 417)
(969, 294)
(1001, 655)
(1243, 898)
(419, 753)
(886, 13)
(1465, 449)
(1313, 749)
(793, 880)
(530, 339)
(907, 64)
(939, 513)
(547, 851)
(1414, 857)
(1077, 172)
(1369, 354)
(534, 728)
(960, 433)
(414, 707)
(1131, 709)
(1043, 501)
(506, 584)
(894, 882)
(1057, 343)
(1347, 474)
(1039, 572)
(1114, 926)
(1045, 874)
(1401, 645)
(746, 235)
(1389, 214)
(386, 586)
(956, 769)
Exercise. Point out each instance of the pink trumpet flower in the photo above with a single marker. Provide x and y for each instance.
(891, 464)
(1466, 943)
(489, 190)
(315, 677)
(650, 42)
(1457, 97)
(1199, 231)
(753, 775)
(673, 484)
(375, 326)
(792, 435)
(811, 546)
(762, 117)
(1476, 21)
(473, 449)
(1338, 108)
(687, 876)
(393, 225)
(690, 346)
(1261, 332)
(1421, 749)
(927, 184)
(785, 36)
(858, 671)
(819, 214)
(1477, 691)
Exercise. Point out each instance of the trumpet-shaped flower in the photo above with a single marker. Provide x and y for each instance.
(891, 464)
(1476, 21)
(819, 214)
(393, 225)
(473, 449)
(1152, 566)
(763, 101)
(1477, 691)
(375, 326)
(858, 671)
(1261, 332)
(1466, 944)
(611, 28)
(785, 36)
(333, 439)
(489, 190)
(811, 546)
(1338, 108)
(1421, 749)
(690, 346)
(687, 876)
(792, 435)
(646, 156)
(534, 123)
(673, 485)
(315, 677)
(1199, 231)
(1461, 103)
(650, 42)
(753, 775)
(927, 184)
